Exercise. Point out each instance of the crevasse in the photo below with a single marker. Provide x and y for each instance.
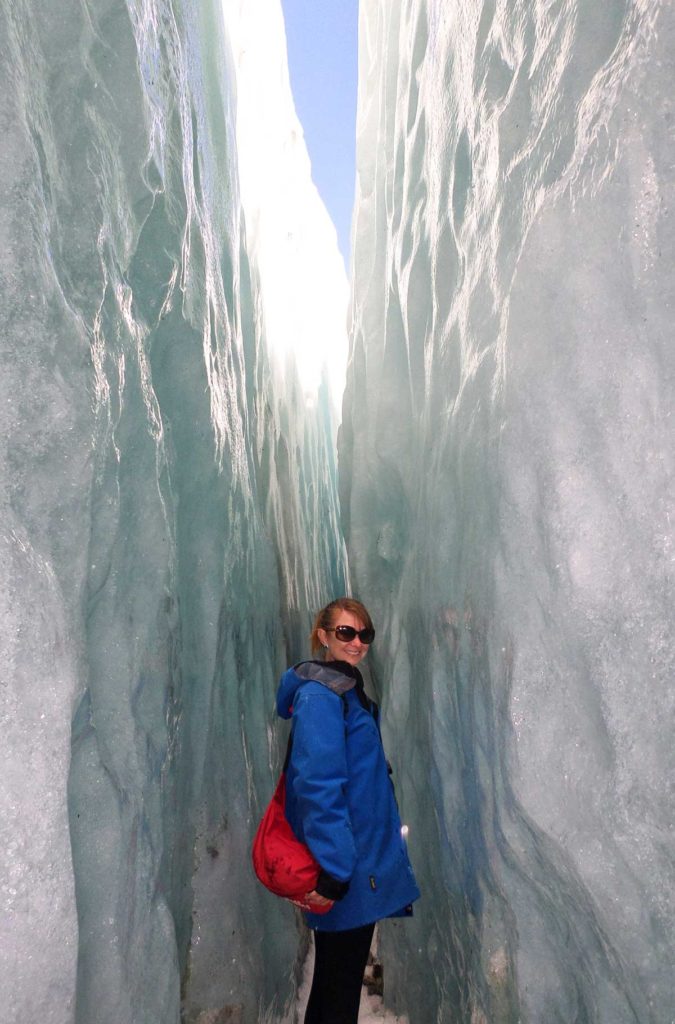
(171, 322)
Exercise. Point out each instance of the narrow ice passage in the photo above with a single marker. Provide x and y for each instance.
(173, 507)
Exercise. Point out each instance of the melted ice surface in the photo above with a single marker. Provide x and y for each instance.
(162, 474)
(506, 468)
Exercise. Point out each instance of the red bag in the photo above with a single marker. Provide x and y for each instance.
(282, 863)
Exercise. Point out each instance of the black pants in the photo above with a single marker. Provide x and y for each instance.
(339, 962)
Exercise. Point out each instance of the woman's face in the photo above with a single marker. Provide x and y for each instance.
(353, 651)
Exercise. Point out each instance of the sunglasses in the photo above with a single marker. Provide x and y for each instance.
(346, 633)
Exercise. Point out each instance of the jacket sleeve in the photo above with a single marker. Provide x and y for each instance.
(320, 779)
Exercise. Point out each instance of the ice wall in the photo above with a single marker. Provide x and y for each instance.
(163, 467)
(506, 462)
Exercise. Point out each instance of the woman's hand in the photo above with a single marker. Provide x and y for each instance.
(315, 899)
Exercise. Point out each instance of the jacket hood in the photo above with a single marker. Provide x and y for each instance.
(338, 676)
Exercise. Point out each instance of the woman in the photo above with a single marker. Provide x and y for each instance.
(340, 802)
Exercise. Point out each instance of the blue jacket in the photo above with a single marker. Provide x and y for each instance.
(339, 797)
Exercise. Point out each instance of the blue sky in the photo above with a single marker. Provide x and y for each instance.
(322, 55)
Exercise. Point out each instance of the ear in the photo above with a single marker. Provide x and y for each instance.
(323, 637)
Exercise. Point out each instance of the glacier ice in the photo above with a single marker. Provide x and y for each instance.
(506, 468)
(163, 466)
(172, 328)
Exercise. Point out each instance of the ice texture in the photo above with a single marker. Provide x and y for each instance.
(169, 503)
(171, 328)
(506, 473)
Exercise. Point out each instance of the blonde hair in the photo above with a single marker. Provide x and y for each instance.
(324, 619)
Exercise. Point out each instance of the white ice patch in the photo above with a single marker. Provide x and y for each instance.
(289, 233)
